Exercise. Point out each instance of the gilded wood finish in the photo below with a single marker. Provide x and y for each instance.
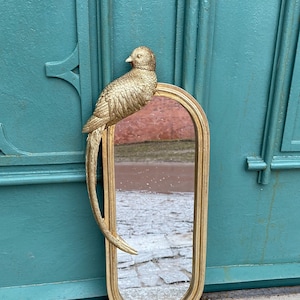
(200, 194)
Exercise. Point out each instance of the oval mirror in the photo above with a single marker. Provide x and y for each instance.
(158, 199)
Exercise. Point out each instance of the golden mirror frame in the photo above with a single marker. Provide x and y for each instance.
(202, 151)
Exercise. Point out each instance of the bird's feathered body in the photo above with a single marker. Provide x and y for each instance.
(121, 98)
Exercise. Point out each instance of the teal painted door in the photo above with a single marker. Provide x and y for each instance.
(254, 113)
(50, 247)
(240, 59)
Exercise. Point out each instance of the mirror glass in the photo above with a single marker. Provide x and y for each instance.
(154, 177)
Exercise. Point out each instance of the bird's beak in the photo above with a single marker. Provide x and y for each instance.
(129, 59)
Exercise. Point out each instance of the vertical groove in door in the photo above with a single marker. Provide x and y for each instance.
(193, 43)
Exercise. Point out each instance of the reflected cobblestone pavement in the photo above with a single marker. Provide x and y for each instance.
(159, 226)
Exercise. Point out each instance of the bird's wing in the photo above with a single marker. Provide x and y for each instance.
(120, 98)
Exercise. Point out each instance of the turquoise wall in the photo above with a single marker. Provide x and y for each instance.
(240, 59)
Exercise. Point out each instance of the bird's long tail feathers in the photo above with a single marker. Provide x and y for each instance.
(92, 149)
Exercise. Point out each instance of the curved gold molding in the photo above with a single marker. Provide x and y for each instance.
(198, 116)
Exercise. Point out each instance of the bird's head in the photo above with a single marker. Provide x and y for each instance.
(142, 58)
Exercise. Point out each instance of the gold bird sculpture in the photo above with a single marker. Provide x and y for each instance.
(119, 99)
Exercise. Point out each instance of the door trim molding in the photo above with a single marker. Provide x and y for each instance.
(281, 79)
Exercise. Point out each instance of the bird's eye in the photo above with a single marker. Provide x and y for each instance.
(139, 55)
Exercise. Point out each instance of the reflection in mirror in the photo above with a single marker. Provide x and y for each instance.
(154, 169)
